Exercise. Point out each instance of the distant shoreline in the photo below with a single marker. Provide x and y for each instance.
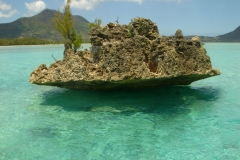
(82, 44)
(36, 45)
(217, 42)
(29, 41)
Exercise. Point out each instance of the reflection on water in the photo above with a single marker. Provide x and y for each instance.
(152, 100)
(127, 123)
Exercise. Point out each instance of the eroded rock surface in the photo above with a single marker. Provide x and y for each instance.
(129, 56)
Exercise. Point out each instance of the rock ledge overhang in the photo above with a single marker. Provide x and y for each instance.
(129, 56)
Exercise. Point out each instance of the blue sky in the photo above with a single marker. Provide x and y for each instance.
(194, 17)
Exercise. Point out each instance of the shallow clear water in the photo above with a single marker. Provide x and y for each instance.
(200, 121)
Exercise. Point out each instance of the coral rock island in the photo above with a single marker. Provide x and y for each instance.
(128, 56)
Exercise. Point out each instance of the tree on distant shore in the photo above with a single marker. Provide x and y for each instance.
(97, 22)
(64, 25)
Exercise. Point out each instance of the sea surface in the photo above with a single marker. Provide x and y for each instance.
(199, 121)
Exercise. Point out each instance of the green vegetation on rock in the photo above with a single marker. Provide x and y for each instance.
(97, 22)
(130, 28)
(64, 25)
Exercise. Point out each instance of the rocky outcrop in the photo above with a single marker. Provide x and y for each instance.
(129, 56)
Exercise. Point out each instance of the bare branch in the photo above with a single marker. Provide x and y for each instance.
(53, 58)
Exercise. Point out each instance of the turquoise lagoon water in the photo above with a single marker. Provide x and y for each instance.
(200, 121)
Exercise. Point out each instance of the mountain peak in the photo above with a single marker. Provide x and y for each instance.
(233, 36)
(45, 14)
(47, 11)
(41, 26)
(50, 13)
(237, 29)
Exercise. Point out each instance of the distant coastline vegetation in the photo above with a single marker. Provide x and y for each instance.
(30, 41)
(25, 41)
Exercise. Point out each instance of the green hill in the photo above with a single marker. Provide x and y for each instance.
(40, 26)
(233, 36)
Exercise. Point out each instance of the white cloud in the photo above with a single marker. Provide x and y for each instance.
(179, 1)
(6, 10)
(85, 4)
(9, 14)
(91, 4)
(136, 1)
(35, 7)
(4, 6)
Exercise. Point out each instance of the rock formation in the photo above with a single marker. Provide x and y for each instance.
(129, 56)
